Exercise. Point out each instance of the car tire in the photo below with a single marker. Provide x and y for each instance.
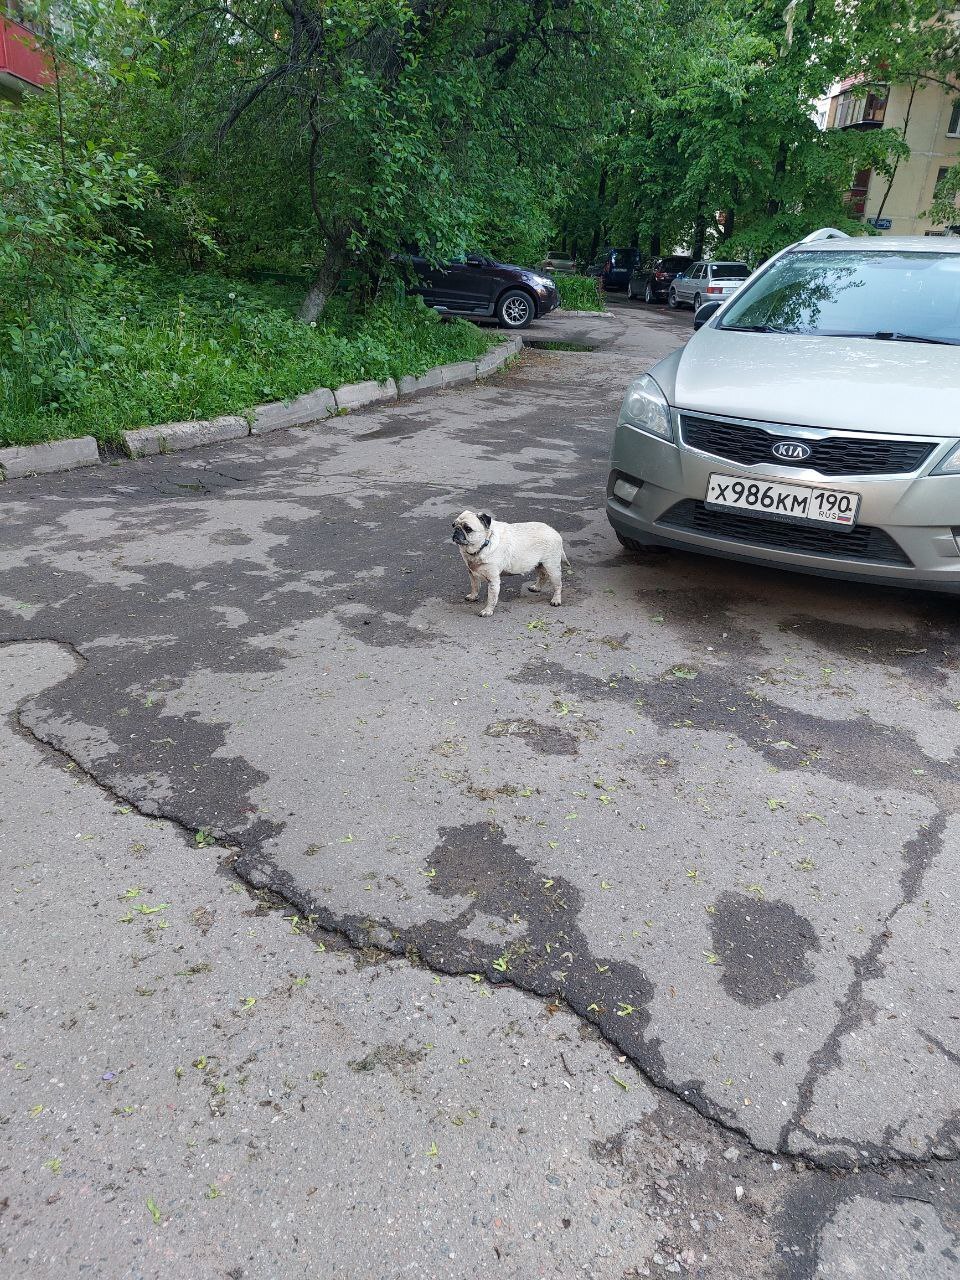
(672, 300)
(697, 301)
(515, 310)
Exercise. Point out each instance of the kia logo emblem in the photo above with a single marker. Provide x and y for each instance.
(791, 451)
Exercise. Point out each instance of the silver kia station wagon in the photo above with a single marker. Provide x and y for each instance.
(813, 420)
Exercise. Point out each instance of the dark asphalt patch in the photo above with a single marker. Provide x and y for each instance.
(762, 947)
(723, 700)
(926, 653)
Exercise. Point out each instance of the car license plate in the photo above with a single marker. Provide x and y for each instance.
(795, 503)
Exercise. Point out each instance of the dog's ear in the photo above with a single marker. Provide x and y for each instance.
(486, 519)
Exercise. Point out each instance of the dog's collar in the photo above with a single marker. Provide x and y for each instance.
(482, 547)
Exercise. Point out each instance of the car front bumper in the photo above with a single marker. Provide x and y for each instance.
(907, 531)
(548, 301)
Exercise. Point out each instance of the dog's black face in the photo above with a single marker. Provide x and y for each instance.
(470, 530)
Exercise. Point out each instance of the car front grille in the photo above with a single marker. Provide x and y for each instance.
(859, 543)
(831, 456)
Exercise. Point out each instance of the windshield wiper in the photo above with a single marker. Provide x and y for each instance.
(753, 328)
(891, 335)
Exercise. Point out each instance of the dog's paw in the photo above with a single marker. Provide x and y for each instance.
(475, 596)
(486, 613)
(555, 602)
(531, 586)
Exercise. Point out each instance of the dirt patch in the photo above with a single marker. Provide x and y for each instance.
(548, 739)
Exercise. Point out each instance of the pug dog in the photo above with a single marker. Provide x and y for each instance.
(491, 548)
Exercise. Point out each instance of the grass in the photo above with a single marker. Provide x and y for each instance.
(140, 347)
(580, 293)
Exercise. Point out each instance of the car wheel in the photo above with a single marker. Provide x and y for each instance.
(515, 309)
(696, 303)
(648, 296)
(672, 300)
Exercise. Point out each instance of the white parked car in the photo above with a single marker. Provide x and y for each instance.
(812, 422)
(705, 282)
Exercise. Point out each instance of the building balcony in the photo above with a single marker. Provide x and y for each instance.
(23, 64)
(860, 109)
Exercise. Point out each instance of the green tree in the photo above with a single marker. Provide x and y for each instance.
(348, 129)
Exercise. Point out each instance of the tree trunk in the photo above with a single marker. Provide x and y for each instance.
(699, 231)
(597, 228)
(325, 281)
(774, 204)
(655, 245)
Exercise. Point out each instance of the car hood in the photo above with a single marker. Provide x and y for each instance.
(840, 383)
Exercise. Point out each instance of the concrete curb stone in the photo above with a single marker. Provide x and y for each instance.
(310, 407)
(462, 371)
(498, 357)
(37, 459)
(172, 436)
(353, 395)
(594, 315)
(428, 381)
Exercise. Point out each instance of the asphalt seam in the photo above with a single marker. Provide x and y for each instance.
(356, 931)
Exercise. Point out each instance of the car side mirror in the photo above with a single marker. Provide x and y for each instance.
(704, 312)
(473, 260)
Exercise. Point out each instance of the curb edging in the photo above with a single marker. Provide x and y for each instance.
(594, 315)
(59, 455)
(18, 461)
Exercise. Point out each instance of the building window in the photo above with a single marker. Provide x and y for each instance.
(953, 128)
(856, 198)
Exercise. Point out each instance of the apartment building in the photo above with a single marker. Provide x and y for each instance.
(928, 117)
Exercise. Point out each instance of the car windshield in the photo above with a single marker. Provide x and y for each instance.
(730, 271)
(883, 294)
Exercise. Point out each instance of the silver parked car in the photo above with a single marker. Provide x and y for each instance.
(559, 262)
(705, 281)
(813, 422)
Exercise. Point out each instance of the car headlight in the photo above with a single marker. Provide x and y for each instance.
(950, 466)
(645, 407)
(540, 282)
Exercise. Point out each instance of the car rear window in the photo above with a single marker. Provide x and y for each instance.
(854, 293)
(730, 271)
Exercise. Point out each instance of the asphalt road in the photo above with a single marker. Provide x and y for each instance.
(351, 934)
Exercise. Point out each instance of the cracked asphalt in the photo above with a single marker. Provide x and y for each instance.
(351, 934)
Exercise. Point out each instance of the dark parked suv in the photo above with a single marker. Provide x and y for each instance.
(478, 286)
(651, 280)
(617, 266)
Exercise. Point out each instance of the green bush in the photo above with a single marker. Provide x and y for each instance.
(141, 347)
(580, 293)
